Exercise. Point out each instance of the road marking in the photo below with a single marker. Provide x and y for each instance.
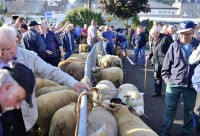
(128, 59)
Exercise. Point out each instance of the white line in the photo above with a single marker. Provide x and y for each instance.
(130, 60)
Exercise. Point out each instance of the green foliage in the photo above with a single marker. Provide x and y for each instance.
(83, 16)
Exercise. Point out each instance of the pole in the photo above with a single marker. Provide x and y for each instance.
(89, 4)
(145, 77)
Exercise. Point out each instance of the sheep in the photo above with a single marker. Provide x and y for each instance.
(76, 70)
(63, 64)
(49, 89)
(100, 117)
(49, 103)
(110, 61)
(63, 122)
(112, 74)
(130, 95)
(42, 82)
(83, 48)
(117, 50)
(111, 85)
(80, 55)
(129, 124)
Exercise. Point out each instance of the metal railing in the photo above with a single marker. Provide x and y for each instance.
(90, 62)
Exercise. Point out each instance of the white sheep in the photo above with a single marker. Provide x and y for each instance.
(42, 82)
(63, 122)
(49, 103)
(113, 74)
(100, 117)
(129, 124)
(110, 61)
(49, 89)
(130, 95)
(111, 85)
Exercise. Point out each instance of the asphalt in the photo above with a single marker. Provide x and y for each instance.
(154, 107)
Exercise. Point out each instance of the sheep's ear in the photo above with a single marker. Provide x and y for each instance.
(126, 96)
(93, 69)
(142, 94)
(94, 89)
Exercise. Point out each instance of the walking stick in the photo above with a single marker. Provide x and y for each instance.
(145, 77)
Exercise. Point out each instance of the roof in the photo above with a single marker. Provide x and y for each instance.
(157, 5)
(23, 7)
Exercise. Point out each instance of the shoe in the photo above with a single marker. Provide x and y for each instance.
(155, 95)
(134, 64)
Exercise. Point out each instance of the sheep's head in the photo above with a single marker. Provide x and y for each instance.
(135, 100)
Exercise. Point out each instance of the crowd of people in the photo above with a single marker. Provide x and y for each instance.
(37, 48)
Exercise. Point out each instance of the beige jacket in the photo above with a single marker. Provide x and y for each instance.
(43, 69)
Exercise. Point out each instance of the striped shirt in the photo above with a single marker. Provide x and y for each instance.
(51, 41)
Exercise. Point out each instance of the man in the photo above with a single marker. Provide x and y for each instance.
(122, 41)
(108, 36)
(51, 41)
(160, 45)
(23, 28)
(112, 29)
(139, 41)
(16, 84)
(84, 34)
(92, 35)
(20, 20)
(172, 31)
(124, 31)
(68, 41)
(9, 53)
(32, 40)
(177, 74)
(78, 30)
(197, 32)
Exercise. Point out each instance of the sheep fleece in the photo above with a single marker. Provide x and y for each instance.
(49, 103)
(42, 82)
(63, 122)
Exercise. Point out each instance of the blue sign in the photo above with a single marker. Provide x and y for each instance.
(48, 15)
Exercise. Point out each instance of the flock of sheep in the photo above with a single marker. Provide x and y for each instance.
(116, 113)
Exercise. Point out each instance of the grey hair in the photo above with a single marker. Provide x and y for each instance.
(8, 31)
(31, 27)
(155, 30)
(5, 77)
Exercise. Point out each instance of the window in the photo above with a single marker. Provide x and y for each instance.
(185, 6)
(185, 13)
(192, 6)
(159, 12)
(191, 13)
(169, 12)
(172, 13)
(197, 13)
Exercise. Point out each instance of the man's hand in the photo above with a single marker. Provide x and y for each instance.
(148, 57)
(107, 41)
(48, 52)
(79, 86)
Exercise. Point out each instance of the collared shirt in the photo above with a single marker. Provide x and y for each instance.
(2, 63)
(187, 49)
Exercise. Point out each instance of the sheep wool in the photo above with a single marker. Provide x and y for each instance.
(76, 70)
(131, 125)
(83, 48)
(42, 82)
(99, 117)
(49, 89)
(49, 103)
(63, 122)
(127, 87)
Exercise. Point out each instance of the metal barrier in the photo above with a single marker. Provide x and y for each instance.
(90, 62)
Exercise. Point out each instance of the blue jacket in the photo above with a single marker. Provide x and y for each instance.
(66, 44)
(176, 67)
(138, 40)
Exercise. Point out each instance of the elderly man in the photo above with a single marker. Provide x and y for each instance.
(172, 31)
(51, 42)
(32, 40)
(160, 45)
(108, 36)
(197, 32)
(9, 53)
(92, 35)
(177, 74)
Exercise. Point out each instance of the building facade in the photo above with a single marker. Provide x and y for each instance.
(188, 8)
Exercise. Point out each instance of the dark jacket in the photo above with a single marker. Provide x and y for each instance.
(120, 38)
(176, 67)
(160, 48)
(66, 43)
(32, 40)
(138, 40)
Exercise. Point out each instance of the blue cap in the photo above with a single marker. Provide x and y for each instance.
(185, 26)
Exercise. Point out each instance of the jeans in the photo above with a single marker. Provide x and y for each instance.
(15, 119)
(68, 54)
(142, 53)
(124, 45)
(172, 96)
(110, 50)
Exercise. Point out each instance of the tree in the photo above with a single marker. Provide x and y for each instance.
(83, 16)
(124, 9)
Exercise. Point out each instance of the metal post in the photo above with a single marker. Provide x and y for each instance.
(89, 4)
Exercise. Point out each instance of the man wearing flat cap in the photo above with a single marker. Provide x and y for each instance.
(32, 40)
(177, 74)
(16, 84)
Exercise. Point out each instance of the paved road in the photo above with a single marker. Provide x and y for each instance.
(154, 107)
